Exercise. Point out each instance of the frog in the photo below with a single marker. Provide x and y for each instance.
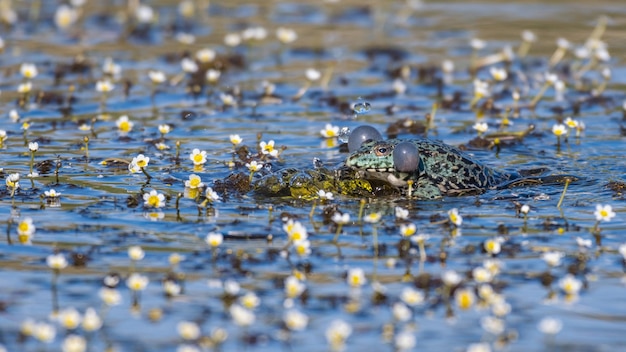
(430, 169)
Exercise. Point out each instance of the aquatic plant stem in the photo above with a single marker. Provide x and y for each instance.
(567, 181)
(361, 207)
(537, 97)
(146, 173)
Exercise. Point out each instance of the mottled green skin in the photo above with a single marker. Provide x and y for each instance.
(304, 184)
(443, 170)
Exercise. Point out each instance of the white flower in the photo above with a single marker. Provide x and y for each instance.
(356, 277)
(232, 39)
(109, 67)
(562, 43)
(124, 124)
(313, 74)
(585, 243)
(136, 253)
(493, 245)
(186, 38)
(337, 333)
(254, 166)
(212, 76)
(330, 131)
(528, 36)
(205, 55)
(241, 315)
(110, 296)
(498, 74)
(44, 332)
(25, 87)
(481, 88)
(156, 76)
(407, 230)
(302, 247)
(559, 130)
(286, 35)
(52, 193)
(481, 274)
(214, 239)
(405, 340)
(550, 326)
(13, 181)
(451, 278)
(401, 312)
(604, 212)
(211, 195)
(231, 287)
(552, 258)
(188, 330)
(91, 320)
(28, 70)
(104, 86)
(477, 44)
(464, 298)
(74, 343)
(570, 284)
(525, 209)
(295, 320)
(171, 288)
(293, 287)
(323, 195)
(268, 148)
(340, 219)
(401, 213)
(65, 16)
(250, 300)
(551, 78)
(188, 65)
(154, 199)
(254, 33)
(411, 296)
(492, 325)
(194, 182)
(455, 217)
(481, 127)
(235, 139)
(56, 261)
(198, 157)
(372, 218)
(144, 13)
(228, 99)
(137, 282)
(69, 318)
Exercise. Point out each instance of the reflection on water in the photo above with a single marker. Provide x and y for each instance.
(286, 269)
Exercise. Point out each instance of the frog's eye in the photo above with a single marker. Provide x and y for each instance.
(382, 151)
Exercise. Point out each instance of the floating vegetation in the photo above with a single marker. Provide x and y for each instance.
(190, 175)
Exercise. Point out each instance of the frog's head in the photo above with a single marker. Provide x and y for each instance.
(395, 161)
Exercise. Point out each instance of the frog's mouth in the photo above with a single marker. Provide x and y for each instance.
(397, 179)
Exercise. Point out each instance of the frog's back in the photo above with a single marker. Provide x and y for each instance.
(454, 171)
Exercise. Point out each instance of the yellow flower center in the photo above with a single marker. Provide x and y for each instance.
(153, 201)
(142, 163)
(23, 227)
(465, 301)
(197, 158)
(124, 126)
(604, 213)
(194, 182)
(300, 250)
